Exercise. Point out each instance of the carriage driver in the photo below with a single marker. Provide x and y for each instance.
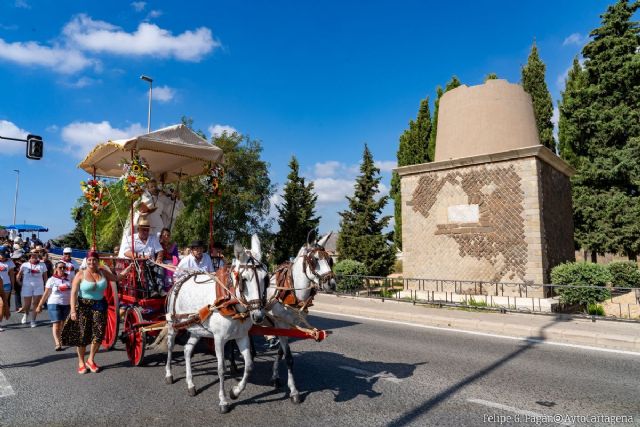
(197, 260)
(147, 247)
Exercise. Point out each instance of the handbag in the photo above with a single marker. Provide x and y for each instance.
(70, 334)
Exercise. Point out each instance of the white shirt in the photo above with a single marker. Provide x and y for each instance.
(189, 263)
(5, 268)
(32, 274)
(150, 248)
(60, 291)
(70, 268)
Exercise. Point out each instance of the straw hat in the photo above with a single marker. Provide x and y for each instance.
(143, 221)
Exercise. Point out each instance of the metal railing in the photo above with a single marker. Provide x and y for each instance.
(493, 296)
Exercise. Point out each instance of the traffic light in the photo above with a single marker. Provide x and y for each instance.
(35, 147)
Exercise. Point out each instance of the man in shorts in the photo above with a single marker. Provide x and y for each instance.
(33, 275)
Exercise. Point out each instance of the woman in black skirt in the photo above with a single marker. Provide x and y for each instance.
(88, 315)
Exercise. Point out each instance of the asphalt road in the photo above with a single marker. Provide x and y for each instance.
(366, 373)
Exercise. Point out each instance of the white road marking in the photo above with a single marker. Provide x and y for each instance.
(5, 388)
(387, 376)
(530, 414)
(483, 334)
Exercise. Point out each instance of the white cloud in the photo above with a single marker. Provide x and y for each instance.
(386, 165)
(163, 93)
(57, 58)
(154, 14)
(82, 82)
(22, 4)
(574, 39)
(217, 130)
(332, 190)
(327, 169)
(148, 39)
(81, 137)
(52, 128)
(138, 5)
(11, 130)
(8, 27)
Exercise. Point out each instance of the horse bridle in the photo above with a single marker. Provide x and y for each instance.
(309, 262)
(252, 264)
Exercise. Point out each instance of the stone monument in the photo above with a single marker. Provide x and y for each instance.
(495, 205)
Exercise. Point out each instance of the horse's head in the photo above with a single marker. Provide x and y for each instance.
(250, 277)
(317, 265)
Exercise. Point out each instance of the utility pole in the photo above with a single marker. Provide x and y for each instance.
(15, 202)
(150, 81)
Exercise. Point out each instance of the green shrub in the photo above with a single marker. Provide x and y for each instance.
(624, 274)
(349, 267)
(480, 303)
(581, 274)
(595, 309)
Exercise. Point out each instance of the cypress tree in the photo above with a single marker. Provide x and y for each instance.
(534, 84)
(413, 149)
(296, 215)
(361, 227)
(453, 83)
(601, 135)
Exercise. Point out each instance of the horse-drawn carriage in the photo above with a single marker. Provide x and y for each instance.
(171, 155)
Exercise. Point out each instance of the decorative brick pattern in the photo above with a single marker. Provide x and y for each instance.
(498, 237)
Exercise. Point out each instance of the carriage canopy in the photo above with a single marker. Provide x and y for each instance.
(171, 152)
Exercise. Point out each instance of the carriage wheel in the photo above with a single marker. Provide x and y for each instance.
(113, 317)
(135, 337)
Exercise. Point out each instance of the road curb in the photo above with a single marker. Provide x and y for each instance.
(607, 335)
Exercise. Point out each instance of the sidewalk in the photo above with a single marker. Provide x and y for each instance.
(601, 334)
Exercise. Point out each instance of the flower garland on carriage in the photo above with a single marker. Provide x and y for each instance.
(94, 191)
(135, 175)
(210, 179)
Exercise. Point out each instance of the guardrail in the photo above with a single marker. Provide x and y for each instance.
(493, 296)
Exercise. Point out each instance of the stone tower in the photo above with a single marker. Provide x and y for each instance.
(495, 205)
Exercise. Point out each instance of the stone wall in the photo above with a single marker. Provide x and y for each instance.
(505, 217)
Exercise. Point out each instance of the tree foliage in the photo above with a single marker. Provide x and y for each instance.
(413, 149)
(533, 82)
(243, 207)
(361, 228)
(490, 76)
(296, 215)
(600, 135)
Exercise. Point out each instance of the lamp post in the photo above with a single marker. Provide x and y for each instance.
(15, 202)
(150, 81)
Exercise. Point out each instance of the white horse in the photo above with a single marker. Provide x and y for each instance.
(192, 298)
(309, 272)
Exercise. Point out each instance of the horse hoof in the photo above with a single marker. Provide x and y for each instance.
(168, 380)
(295, 399)
(276, 383)
(234, 394)
(192, 391)
(224, 409)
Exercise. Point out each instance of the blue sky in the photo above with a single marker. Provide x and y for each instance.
(312, 79)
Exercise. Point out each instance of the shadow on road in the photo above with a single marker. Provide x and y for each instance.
(411, 416)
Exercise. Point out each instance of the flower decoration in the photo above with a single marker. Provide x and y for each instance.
(212, 175)
(135, 174)
(94, 191)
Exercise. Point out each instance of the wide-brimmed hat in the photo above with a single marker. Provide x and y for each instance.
(67, 251)
(18, 253)
(143, 221)
(197, 244)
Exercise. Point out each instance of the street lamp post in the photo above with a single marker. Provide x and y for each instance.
(15, 202)
(150, 81)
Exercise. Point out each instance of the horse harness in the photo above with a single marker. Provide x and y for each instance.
(285, 289)
(227, 299)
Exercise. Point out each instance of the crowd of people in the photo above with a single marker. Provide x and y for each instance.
(73, 293)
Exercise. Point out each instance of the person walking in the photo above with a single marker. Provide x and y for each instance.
(33, 275)
(16, 258)
(88, 315)
(8, 278)
(57, 295)
(71, 266)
